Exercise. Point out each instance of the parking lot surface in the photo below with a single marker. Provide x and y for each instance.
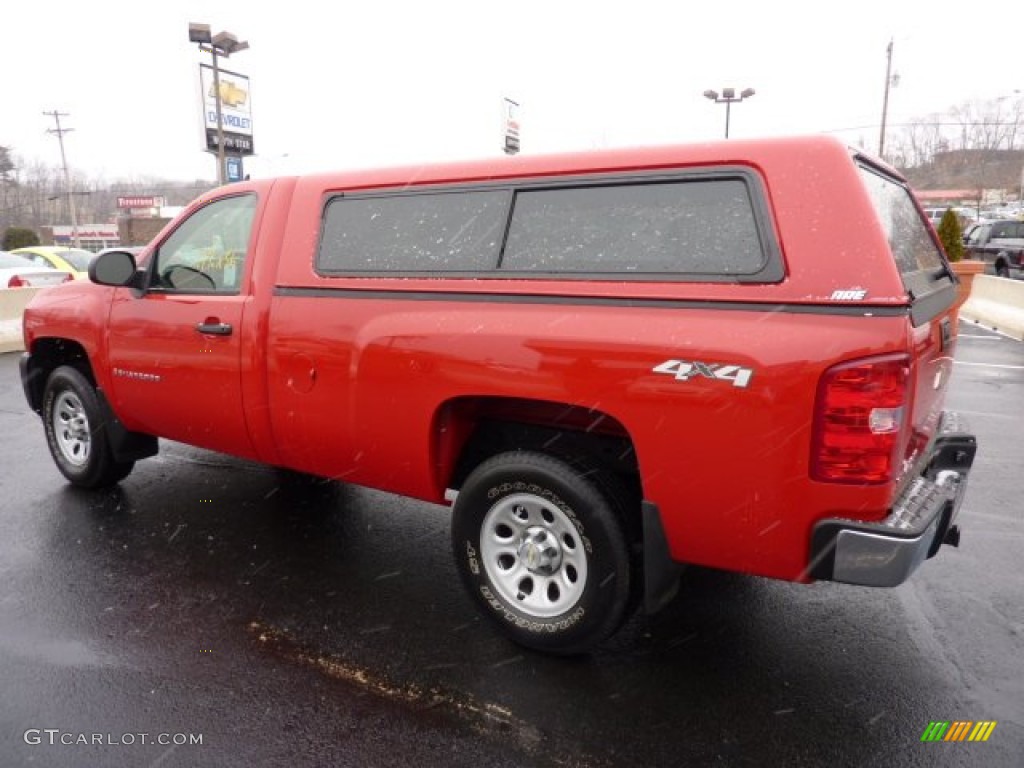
(308, 624)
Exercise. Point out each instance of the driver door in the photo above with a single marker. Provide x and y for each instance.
(175, 351)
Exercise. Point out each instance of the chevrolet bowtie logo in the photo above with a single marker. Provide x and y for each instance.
(230, 94)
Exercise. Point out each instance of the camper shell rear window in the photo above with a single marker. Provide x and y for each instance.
(710, 226)
(913, 246)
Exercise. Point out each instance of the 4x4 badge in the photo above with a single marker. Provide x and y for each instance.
(684, 370)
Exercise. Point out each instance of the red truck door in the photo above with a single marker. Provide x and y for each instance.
(175, 351)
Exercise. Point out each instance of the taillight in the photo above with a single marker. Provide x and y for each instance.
(17, 281)
(68, 278)
(859, 420)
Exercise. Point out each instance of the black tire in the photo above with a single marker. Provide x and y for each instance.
(76, 434)
(1002, 270)
(541, 549)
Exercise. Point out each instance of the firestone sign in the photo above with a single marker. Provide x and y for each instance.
(140, 201)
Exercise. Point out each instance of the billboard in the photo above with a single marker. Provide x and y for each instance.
(510, 111)
(235, 108)
(86, 232)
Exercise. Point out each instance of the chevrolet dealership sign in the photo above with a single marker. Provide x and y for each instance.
(235, 109)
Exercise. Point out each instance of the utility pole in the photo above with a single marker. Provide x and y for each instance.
(67, 176)
(885, 101)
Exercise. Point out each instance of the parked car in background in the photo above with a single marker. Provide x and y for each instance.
(18, 272)
(968, 216)
(1003, 212)
(999, 243)
(73, 260)
(965, 215)
(973, 231)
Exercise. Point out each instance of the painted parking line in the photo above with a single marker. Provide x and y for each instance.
(1014, 418)
(980, 327)
(990, 365)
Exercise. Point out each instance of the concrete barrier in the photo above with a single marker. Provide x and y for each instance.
(12, 306)
(998, 303)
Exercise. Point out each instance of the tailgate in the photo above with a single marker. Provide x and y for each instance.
(931, 290)
(932, 341)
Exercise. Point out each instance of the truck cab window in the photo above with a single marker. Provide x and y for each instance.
(207, 253)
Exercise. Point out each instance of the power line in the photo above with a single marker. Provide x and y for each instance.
(67, 177)
(925, 124)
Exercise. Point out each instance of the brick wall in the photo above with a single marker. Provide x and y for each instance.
(139, 231)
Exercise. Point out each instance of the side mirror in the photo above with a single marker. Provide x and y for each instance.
(115, 268)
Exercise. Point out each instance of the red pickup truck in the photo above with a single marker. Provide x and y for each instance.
(611, 364)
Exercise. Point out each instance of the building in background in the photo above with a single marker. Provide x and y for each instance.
(91, 237)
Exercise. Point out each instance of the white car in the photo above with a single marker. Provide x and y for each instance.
(18, 272)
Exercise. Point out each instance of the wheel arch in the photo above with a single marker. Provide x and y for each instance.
(48, 354)
(469, 430)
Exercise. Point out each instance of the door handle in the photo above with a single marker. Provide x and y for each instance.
(945, 333)
(214, 328)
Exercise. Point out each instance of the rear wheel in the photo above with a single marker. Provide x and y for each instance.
(1002, 270)
(76, 434)
(541, 549)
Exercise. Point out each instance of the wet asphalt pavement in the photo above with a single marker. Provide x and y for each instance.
(295, 624)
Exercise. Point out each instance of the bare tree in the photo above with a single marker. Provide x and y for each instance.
(918, 141)
(6, 163)
(32, 194)
(996, 124)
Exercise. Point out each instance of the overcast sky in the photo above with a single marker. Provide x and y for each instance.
(338, 85)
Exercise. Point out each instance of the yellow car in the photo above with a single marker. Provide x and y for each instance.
(73, 260)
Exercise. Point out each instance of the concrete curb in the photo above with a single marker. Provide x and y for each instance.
(997, 303)
(12, 306)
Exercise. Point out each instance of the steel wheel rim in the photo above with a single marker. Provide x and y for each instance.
(71, 429)
(534, 555)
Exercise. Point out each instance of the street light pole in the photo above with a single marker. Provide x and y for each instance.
(222, 44)
(728, 97)
(220, 118)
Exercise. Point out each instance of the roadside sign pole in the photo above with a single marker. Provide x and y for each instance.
(220, 119)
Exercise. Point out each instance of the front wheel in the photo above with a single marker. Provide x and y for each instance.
(1002, 270)
(76, 434)
(541, 549)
